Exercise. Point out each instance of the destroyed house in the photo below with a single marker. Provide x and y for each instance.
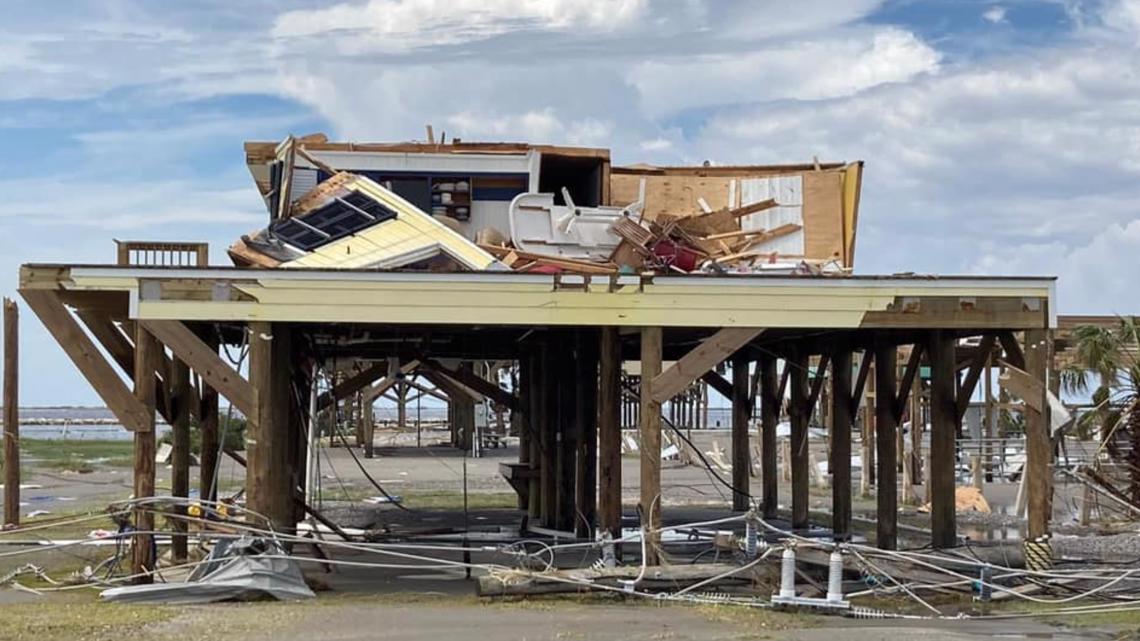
(460, 261)
(546, 200)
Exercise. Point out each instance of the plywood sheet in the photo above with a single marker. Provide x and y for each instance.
(812, 198)
(675, 195)
(823, 215)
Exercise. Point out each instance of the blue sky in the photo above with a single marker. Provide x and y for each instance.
(1000, 137)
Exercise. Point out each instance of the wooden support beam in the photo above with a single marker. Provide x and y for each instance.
(204, 359)
(841, 424)
(1038, 445)
(371, 393)
(448, 386)
(122, 351)
(701, 359)
(1013, 352)
(269, 476)
(718, 383)
(108, 334)
(910, 373)
(609, 433)
(586, 419)
(463, 412)
(477, 383)
(783, 389)
(369, 424)
(1024, 385)
(548, 409)
(741, 453)
(130, 411)
(817, 383)
(769, 419)
(521, 424)
(180, 400)
(944, 431)
(146, 357)
(536, 423)
(800, 410)
(11, 413)
(651, 442)
(352, 384)
(210, 436)
(970, 381)
(564, 394)
(861, 381)
(886, 454)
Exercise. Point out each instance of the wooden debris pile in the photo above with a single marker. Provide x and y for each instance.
(712, 242)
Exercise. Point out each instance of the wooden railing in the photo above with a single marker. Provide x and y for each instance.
(169, 254)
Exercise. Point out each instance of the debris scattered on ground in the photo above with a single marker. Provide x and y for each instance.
(242, 570)
(966, 499)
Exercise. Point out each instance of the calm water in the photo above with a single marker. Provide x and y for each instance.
(97, 423)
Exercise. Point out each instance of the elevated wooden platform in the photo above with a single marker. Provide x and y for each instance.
(568, 334)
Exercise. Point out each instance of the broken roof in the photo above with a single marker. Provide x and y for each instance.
(351, 222)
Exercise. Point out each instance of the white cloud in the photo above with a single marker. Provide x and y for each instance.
(995, 14)
(1023, 151)
(1096, 276)
(829, 67)
(656, 144)
(397, 24)
(538, 126)
(1122, 15)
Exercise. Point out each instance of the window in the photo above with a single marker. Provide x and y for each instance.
(339, 218)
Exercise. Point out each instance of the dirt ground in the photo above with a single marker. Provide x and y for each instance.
(431, 618)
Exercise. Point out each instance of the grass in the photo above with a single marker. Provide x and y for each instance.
(432, 499)
(76, 456)
(55, 621)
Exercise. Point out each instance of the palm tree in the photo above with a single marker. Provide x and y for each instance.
(1111, 354)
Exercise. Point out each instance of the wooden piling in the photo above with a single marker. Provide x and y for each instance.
(769, 419)
(368, 421)
(800, 416)
(180, 399)
(268, 473)
(11, 413)
(565, 393)
(147, 358)
(1038, 448)
(840, 462)
(943, 433)
(210, 435)
(650, 443)
(586, 419)
(609, 432)
(741, 415)
(886, 426)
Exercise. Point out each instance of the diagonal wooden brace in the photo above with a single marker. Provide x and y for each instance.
(205, 361)
(701, 359)
(49, 307)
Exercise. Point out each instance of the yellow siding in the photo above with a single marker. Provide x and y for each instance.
(411, 231)
(511, 300)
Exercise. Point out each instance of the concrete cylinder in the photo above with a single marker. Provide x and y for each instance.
(835, 577)
(788, 574)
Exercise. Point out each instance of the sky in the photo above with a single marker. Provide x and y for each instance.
(1000, 138)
